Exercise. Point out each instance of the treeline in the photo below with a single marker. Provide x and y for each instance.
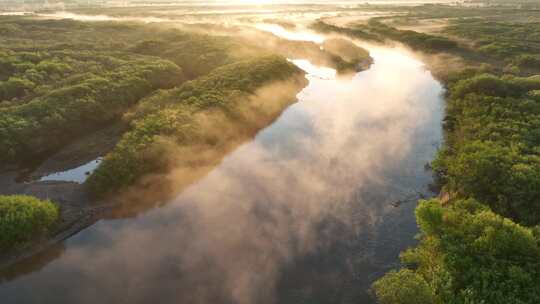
(486, 35)
(346, 55)
(170, 120)
(415, 40)
(377, 31)
(339, 54)
(482, 245)
(198, 55)
(516, 44)
(492, 145)
(358, 31)
(60, 79)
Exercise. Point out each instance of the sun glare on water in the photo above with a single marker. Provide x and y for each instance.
(279, 31)
(254, 1)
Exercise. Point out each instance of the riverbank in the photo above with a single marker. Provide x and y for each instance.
(479, 240)
(309, 201)
(79, 209)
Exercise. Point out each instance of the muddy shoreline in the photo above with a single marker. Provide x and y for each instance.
(77, 209)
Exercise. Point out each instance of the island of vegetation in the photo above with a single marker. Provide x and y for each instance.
(172, 122)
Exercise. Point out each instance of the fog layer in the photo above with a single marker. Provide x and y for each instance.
(320, 179)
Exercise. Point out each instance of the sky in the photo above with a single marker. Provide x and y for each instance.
(29, 5)
(219, 1)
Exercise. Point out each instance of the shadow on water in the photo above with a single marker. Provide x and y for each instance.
(301, 214)
(34, 264)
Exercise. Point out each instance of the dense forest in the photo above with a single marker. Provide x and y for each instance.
(480, 241)
(170, 116)
(482, 244)
(377, 31)
(516, 44)
(184, 100)
(60, 79)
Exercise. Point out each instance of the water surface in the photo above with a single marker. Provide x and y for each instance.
(304, 213)
(78, 174)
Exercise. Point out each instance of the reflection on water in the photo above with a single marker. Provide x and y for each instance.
(301, 214)
(290, 35)
(315, 71)
(34, 264)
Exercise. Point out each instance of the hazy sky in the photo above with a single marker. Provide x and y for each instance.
(217, 1)
(28, 5)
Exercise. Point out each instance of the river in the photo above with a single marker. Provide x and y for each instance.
(312, 210)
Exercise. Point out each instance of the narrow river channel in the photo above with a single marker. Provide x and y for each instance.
(315, 208)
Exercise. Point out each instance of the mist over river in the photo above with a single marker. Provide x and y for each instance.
(304, 213)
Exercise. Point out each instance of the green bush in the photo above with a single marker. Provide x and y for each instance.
(23, 218)
(528, 61)
(15, 87)
(403, 287)
(485, 84)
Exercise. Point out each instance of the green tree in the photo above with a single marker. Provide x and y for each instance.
(23, 218)
(403, 287)
(15, 87)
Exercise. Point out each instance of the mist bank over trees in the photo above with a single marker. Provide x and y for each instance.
(61, 79)
(29, 5)
(182, 100)
(505, 2)
(180, 128)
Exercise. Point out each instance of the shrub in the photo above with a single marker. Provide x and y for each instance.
(14, 87)
(403, 287)
(23, 218)
(528, 61)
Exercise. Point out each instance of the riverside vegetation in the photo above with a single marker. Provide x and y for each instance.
(63, 79)
(480, 243)
(60, 79)
(23, 218)
(171, 117)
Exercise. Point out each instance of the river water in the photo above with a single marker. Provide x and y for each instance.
(315, 208)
